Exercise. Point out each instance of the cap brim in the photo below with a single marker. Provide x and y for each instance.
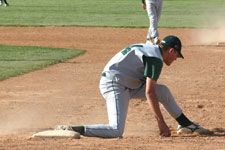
(180, 55)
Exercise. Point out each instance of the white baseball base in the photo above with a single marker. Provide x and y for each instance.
(57, 134)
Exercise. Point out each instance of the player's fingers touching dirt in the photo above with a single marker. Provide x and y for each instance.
(164, 130)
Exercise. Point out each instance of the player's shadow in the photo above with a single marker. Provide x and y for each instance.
(218, 132)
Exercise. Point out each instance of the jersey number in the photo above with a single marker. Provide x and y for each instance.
(126, 50)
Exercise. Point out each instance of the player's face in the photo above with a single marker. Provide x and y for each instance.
(172, 55)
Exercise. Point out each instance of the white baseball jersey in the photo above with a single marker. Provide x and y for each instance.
(128, 66)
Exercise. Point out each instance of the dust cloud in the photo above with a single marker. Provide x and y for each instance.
(26, 119)
(211, 36)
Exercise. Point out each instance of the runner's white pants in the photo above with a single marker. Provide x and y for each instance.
(154, 8)
(117, 100)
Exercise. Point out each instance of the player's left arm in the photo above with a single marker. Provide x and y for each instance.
(153, 67)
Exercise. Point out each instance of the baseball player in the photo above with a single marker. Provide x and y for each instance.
(133, 73)
(4, 1)
(154, 8)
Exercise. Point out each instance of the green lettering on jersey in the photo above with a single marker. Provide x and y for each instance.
(126, 50)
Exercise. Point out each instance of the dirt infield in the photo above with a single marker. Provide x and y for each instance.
(67, 93)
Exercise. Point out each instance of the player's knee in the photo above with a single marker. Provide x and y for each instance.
(165, 89)
(164, 94)
(117, 131)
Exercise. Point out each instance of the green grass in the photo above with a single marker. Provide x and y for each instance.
(193, 13)
(116, 13)
(17, 60)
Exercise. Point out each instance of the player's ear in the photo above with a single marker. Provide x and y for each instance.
(170, 50)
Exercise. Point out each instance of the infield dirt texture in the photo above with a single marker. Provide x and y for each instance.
(68, 93)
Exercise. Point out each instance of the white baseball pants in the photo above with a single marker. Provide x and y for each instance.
(117, 100)
(154, 8)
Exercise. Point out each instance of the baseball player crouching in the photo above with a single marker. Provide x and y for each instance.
(133, 73)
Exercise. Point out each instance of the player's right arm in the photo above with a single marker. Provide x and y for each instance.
(153, 67)
(154, 105)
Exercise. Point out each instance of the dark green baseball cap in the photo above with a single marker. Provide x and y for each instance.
(173, 42)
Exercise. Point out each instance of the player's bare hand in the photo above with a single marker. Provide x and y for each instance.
(144, 6)
(164, 129)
